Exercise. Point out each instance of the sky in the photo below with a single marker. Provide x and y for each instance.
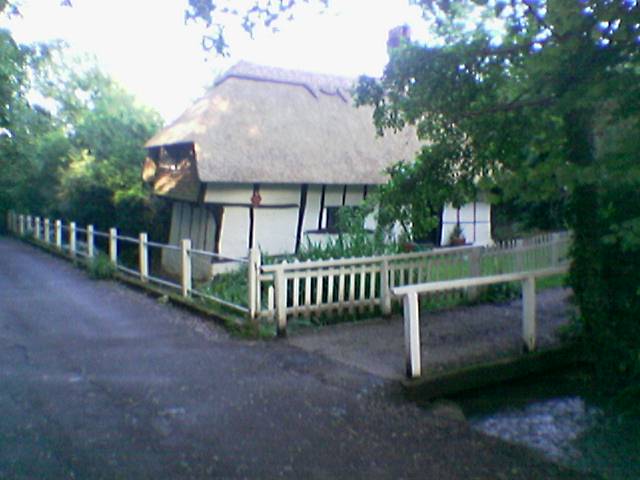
(146, 46)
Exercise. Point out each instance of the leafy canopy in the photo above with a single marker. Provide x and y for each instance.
(540, 101)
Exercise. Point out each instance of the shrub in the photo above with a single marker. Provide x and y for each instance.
(230, 286)
(100, 267)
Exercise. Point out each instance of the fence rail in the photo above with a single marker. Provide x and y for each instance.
(409, 294)
(76, 241)
(354, 284)
(280, 291)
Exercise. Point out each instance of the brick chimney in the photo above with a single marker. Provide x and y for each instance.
(397, 35)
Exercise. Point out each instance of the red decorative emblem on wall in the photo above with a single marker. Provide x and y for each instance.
(256, 198)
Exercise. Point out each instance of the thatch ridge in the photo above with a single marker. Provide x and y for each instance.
(261, 124)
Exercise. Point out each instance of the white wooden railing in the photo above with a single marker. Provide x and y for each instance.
(356, 284)
(77, 242)
(280, 291)
(411, 308)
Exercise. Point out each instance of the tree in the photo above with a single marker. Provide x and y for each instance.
(24, 129)
(81, 158)
(107, 129)
(551, 94)
(251, 14)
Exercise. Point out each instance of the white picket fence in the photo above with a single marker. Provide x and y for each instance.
(280, 291)
(356, 284)
(78, 242)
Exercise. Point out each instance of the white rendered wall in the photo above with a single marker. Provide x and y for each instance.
(226, 194)
(234, 234)
(354, 195)
(312, 210)
(275, 229)
(333, 195)
(279, 195)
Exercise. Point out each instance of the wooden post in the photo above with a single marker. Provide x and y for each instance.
(21, 225)
(412, 335)
(529, 313)
(385, 292)
(72, 239)
(113, 245)
(29, 223)
(555, 249)
(519, 255)
(58, 234)
(143, 257)
(47, 231)
(253, 281)
(90, 241)
(186, 267)
(36, 231)
(475, 270)
(271, 300)
(281, 300)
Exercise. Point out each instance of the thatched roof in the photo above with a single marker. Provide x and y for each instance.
(269, 125)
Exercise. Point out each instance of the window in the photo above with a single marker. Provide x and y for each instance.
(332, 219)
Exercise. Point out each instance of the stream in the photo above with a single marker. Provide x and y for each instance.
(557, 415)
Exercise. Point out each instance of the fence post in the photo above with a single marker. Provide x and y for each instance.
(72, 239)
(186, 266)
(36, 230)
(385, 292)
(21, 225)
(58, 234)
(475, 270)
(412, 335)
(253, 281)
(529, 313)
(143, 257)
(555, 249)
(281, 300)
(519, 255)
(90, 242)
(29, 223)
(47, 231)
(271, 302)
(113, 245)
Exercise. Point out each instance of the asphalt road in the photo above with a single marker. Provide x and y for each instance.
(101, 381)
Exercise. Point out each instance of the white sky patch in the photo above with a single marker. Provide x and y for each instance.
(146, 46)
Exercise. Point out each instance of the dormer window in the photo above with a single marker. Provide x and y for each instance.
(174, 158)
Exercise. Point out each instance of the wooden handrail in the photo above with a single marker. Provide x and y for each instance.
(477, 281)
(411, 308)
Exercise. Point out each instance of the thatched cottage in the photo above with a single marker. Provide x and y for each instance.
(267, 157)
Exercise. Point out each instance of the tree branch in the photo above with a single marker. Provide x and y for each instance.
(508, 107)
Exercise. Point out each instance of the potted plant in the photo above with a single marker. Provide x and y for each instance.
(456, 237)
